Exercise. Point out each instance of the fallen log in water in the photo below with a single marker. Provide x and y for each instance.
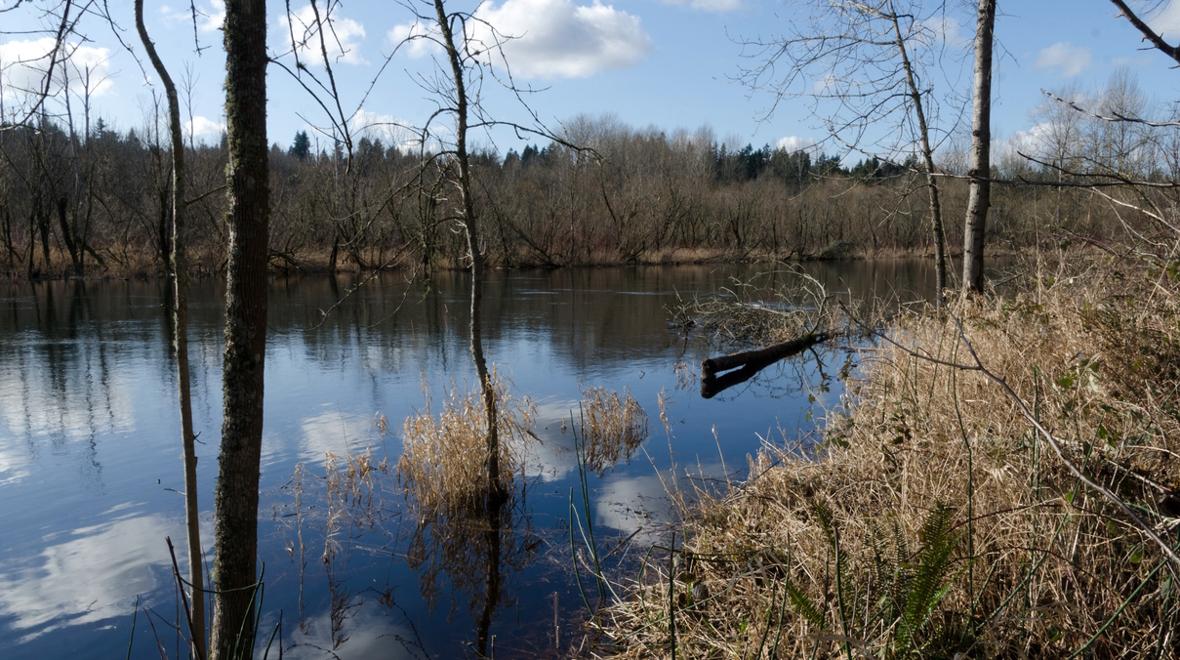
(750, 363)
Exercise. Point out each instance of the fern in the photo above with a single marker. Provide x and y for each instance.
(898, 593)
(926, 589)
(803, 605)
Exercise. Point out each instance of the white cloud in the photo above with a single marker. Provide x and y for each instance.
(938, 31)
(366, 632)
(210, 15)
(795, 143)
(552, 456)
(635, 505)
(203, 129)
(825, 84)
(413, 38)
(13, 468)
(93, 575)
(1033, 140)
(1166, 20)
(25, 62)
(392, 131)
(1066, 58)
(342, 37)
(707, 5)
(641, 505)
(33, 405)
(549, 38)
(335, 433)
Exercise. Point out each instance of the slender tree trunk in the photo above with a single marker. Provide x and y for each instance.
(978, 198)
(496, 497)
(236, 506)
(32, 261)
(939, 235)
(180, 345)
(335, 252)
(13, 254)
(493, 537)
(471, 229)
(67, 237)
(164, 231)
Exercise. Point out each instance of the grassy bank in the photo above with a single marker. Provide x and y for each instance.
(938, 519)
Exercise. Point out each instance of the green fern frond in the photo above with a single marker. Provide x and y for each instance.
(926, 589)
(803, 605)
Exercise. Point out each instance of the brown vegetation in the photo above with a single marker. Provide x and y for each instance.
(939, 520)
(612, 427)
(636, 196)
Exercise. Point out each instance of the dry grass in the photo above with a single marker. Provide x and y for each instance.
(613, 427)
(443, 465)
(841, 556)
(443, 472)
(350, 491)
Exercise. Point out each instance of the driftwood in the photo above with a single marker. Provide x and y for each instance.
(741, 367)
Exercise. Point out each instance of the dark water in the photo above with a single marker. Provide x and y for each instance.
(90, 470)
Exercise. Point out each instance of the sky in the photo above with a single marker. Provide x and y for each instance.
(672, 64)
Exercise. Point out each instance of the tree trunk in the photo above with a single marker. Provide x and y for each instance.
(335, 252)
(164, 230)
(43, 226)
(67, 236)
(939, 235)
(978, 197)
(471, 230)
(236, 506)
(180, 345)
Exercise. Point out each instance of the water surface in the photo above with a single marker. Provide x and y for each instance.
(91, 477)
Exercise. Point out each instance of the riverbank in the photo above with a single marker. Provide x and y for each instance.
(1018, 505)
(320, 264)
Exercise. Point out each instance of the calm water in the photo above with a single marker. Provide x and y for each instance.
(90, 471)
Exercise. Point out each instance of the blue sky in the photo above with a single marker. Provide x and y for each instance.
(667, 63)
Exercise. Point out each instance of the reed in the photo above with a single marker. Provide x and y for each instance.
(937, 520)
(613, 426)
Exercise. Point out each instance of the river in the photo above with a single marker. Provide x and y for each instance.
(91, 476)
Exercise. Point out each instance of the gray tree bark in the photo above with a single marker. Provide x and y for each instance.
(471, 229)
(236, 507)
(180, 343)
(978, 198)
(939, 235)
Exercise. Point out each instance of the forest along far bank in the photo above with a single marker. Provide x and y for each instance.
(99, 204)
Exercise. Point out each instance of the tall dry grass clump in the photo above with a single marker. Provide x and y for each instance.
(938, 520)
(613, 426)
(443, 465)
(463, 520)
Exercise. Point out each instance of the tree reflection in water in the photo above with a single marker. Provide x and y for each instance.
(465, 525)
(461, 473)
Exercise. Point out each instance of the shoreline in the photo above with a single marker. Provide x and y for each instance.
(672, 257)
(934, 502)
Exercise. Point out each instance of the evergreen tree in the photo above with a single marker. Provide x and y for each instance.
(300, 146)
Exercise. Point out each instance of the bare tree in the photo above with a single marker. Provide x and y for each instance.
(863, 64)
(918, 108)
(1153, 38)
(456, 53)
(236, 505)
(978, 199)
(180, 338)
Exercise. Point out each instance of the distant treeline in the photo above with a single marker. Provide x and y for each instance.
(94, 201)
